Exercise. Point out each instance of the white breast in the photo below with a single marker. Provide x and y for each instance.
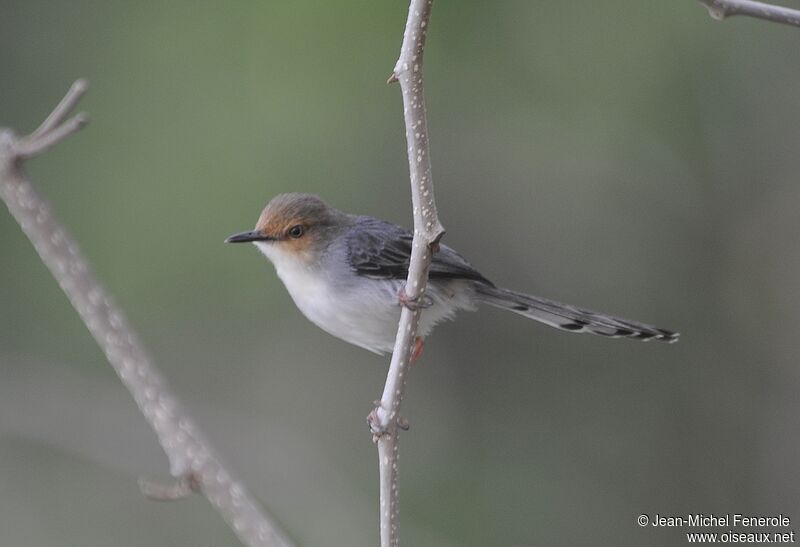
(364, 312)
(307, 287)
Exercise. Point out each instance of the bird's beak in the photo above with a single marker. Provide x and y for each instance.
(245, 237)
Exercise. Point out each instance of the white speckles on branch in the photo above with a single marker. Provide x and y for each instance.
(186, 449)
(427, 229)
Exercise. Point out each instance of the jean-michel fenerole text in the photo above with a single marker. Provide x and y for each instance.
(724, 520)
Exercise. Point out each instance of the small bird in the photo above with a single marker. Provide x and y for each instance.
(346, 273)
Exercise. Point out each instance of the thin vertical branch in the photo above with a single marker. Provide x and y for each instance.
(720, 9)
(427, 233)
(192, 460)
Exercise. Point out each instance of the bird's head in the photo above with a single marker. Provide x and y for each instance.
(293, 225)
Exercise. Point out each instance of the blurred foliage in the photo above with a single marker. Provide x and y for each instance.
(634, 157)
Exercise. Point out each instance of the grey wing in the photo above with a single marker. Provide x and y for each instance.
(381, 250)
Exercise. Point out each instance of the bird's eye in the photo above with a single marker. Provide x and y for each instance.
(296, 231)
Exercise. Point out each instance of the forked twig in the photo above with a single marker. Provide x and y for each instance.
(193, 462)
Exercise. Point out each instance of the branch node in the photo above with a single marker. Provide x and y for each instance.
(392, 78)
(437, 237)
(413, 303)
(402, 423)
(718, 14)
(175, 490)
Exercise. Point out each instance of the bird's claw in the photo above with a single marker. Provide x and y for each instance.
(373, 422)
(375, 426)
(415, 303)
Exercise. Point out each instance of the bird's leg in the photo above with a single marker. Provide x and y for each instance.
(414, 304)
(416, 352)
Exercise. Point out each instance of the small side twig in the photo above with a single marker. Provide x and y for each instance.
(721, 9)
(176, 490)
(193, 462)
(385, 420)
(62, 109)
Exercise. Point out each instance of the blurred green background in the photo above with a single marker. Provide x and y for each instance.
(633, 157)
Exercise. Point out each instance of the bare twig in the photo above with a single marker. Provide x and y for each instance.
(720, 9)
(192, 460)
(62, 109)
(427, 232)
(176, 490)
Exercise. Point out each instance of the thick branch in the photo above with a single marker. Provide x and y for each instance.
(427, 232)
(720, 9)
(192, 460)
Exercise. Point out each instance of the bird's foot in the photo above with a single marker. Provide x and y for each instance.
(373, 421)
(415, 303)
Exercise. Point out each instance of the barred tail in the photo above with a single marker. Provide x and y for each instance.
(570, 318)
